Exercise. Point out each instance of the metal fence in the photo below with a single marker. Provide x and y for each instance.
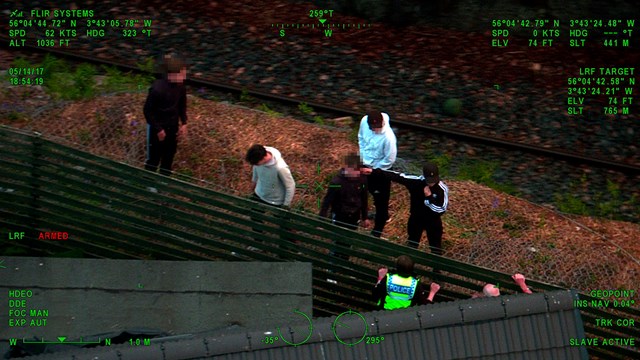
(113, 210)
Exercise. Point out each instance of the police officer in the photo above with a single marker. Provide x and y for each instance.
(402, 288)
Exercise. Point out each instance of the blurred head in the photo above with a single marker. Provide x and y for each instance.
(490, 290)
(404, 265)
(175, 69)
(352, 164)
(257, 155)
(431, 173)
(375, 121)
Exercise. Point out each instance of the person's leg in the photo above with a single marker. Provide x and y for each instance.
(414, 230)
(153, 151)
(434, 234)
(169, 148)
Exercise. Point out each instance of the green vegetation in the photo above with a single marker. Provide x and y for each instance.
(353, 134)
(270, 112)
(604, 203)
(245, 97)
(184, 173)
(443, 161)
(305, 109)
(318, 120)
(64, 82)
(84, 136)
(16, 116)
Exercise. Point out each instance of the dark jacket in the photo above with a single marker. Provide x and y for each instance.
(165, 105)
(346, 196)
(434, 205)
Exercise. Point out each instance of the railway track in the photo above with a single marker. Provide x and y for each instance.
(528, 167)
(398, 122)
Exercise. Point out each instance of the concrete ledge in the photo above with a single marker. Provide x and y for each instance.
(81, 297)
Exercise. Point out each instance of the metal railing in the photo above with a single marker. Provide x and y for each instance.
(113, 210)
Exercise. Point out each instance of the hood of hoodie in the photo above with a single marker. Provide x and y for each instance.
(276, 155)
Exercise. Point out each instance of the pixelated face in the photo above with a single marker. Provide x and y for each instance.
(178, 78)
(265, 159)
(376, 130)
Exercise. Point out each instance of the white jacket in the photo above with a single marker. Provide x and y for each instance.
(377, 150)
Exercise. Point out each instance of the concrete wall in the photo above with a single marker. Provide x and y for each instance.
(87, 296)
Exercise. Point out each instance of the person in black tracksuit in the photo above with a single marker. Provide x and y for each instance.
(429, 200)
(347, 197)
(164, 109)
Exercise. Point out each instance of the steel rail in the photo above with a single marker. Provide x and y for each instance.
(570, 157)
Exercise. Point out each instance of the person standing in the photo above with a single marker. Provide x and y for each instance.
(348, 198)
(401, 289)
(378, 150)
(166, 113)
(272, 181)
(429, 199)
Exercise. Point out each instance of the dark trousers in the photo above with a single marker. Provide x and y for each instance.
(161, 152)
(346, 221)
(433, 226)
(380, 188)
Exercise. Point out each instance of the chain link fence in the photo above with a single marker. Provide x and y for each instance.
(482, 227)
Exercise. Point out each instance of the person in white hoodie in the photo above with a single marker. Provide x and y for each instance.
(378, 150)
(272, 180)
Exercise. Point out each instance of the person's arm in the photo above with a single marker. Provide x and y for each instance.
(380, 289)
(390, 153)
(182, 109)
(520, 280)
(395, 176)
(254, 178)
(284, 174)
(329, 198)
(432, 291)
(440, 202)
(149, 110)
(425, 296)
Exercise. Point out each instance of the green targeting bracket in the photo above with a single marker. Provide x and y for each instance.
(318, 188)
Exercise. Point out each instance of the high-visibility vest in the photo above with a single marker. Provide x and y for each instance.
(400, 292)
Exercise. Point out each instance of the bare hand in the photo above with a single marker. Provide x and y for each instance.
(382, 272)
(162, 135)
(520, 280)
(366, 171)
(433, 290)
(427, 191)
(182, 132)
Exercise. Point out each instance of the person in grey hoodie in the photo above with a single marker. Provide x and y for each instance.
(272, 180)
